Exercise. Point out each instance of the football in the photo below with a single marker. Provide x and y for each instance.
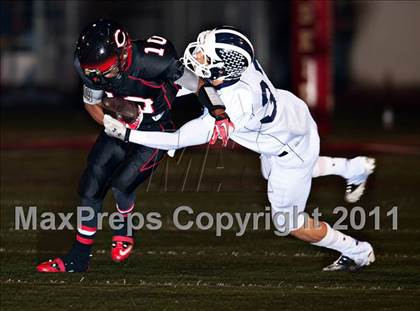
(121, 108)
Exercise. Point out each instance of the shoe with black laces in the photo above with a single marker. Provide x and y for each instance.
(364, 258)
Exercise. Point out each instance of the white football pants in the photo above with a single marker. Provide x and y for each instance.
(289, 182)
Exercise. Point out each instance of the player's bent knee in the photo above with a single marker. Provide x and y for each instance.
(287, 220)
(125, 201)
(310, 233)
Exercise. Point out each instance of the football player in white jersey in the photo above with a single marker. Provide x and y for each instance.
(277, 125)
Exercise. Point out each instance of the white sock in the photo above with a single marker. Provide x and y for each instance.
(338, 166)
(338, 241)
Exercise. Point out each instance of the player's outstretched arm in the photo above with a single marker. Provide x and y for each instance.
(195, 132)
(208, 97)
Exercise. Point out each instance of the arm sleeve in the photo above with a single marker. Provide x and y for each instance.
(188, 81)
(195, 132)
(183, 91)
(207, 94)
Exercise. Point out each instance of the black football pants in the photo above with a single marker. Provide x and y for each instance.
(117, 165)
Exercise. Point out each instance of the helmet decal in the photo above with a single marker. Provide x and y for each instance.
(120, 41)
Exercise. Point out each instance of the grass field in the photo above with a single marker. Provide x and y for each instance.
(174, 269)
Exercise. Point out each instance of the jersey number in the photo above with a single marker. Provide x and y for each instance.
(268, 98)
(157, 40)
(147, 106)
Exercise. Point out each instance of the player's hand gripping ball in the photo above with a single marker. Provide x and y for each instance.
(128, 112)
(115, 128)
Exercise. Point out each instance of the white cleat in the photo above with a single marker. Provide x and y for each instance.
(354, 263)
(356, 186)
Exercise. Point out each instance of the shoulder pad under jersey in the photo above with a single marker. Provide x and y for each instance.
(158, 59)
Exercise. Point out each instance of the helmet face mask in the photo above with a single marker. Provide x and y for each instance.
(103, 50)
(108, 77)
(221, 53)
(104, 79)
(207, 67)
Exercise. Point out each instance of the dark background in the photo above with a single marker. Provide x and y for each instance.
(46, 136)
(375, 46)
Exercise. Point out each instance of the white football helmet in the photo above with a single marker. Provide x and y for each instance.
(228, 53)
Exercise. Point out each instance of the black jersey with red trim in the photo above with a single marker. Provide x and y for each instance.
(149, 79)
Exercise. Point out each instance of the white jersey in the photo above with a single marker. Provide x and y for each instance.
(267, 120)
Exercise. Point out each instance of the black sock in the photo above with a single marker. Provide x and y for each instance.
(78, 255)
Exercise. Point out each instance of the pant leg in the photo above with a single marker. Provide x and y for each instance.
(139, 164)
(105, 156)
(289, 184)
(265, 166)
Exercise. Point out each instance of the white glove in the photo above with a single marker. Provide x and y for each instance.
(116, 129)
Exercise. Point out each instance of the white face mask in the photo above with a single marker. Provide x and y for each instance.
(205, 45)
(231, 63)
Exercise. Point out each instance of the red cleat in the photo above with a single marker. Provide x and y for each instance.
(122, 247)
(52, 266)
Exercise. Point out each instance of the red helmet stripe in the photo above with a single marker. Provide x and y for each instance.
(101, 67)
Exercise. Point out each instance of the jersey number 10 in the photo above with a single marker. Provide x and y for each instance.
(157, 40)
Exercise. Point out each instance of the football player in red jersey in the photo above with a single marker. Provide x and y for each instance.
(110, 64)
